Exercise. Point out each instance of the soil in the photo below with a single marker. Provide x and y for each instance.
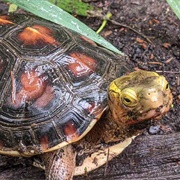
(156, 153)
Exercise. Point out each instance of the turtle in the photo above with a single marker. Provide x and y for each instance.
(62, 94)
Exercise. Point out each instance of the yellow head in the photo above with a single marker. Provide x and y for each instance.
(139, 96)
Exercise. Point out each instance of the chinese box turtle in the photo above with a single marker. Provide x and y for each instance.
(56, 85)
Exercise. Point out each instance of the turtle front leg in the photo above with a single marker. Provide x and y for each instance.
(60, 164)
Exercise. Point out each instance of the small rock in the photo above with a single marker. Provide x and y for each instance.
(154, 129)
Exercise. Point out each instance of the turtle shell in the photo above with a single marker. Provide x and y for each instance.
(53, 84)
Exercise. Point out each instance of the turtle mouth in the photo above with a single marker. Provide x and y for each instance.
(158, 112)
(153, 114)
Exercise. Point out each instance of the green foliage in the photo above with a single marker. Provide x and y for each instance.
(75, 7)
(12, 8)
(175, 5)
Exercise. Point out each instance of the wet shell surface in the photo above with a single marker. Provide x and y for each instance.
(53, 84)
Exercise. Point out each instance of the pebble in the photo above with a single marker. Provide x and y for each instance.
(154, 129)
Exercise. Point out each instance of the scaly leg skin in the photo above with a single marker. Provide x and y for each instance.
(60, 164)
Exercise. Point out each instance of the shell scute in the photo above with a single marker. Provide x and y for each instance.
(90, 104)
(36, 37)
(9, 22)
(70, 129)
(82, 68)
(46, 136)
(7, 62)
(71, 123)
(6, 139)
(82, 65)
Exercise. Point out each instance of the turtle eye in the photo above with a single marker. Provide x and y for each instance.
(127, 100)
(163, 82)
(129, 97)
(167, 86)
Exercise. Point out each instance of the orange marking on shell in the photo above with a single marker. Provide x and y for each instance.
(31, 81)
(32, 35)
(91, 107)
(44, 143)
(32, 88)
(70, 130)
(46, 98)
(82, 65)
(4, 20)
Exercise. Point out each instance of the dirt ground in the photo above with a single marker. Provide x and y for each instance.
(156, 153)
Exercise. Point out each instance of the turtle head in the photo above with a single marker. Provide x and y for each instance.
(139, 96)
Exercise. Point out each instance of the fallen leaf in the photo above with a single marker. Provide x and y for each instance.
(166, 45)
(139, 40)
(152, 56)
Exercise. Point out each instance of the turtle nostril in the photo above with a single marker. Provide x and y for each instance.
(159, 108)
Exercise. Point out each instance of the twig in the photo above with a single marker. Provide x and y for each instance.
(132, 29)
(86, 174)
(106, 166)
(172, 72)
(158, 63)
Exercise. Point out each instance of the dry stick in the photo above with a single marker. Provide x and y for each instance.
(122, 25)
(128, 27)
(157, 63)
(106, 166)
(86, 175)
(171, 72)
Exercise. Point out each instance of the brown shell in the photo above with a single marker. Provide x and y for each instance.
(53, 84)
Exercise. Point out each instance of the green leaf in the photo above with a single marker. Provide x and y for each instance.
(175, 5)
(12, 8)
(74, 7)
(51, 12)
